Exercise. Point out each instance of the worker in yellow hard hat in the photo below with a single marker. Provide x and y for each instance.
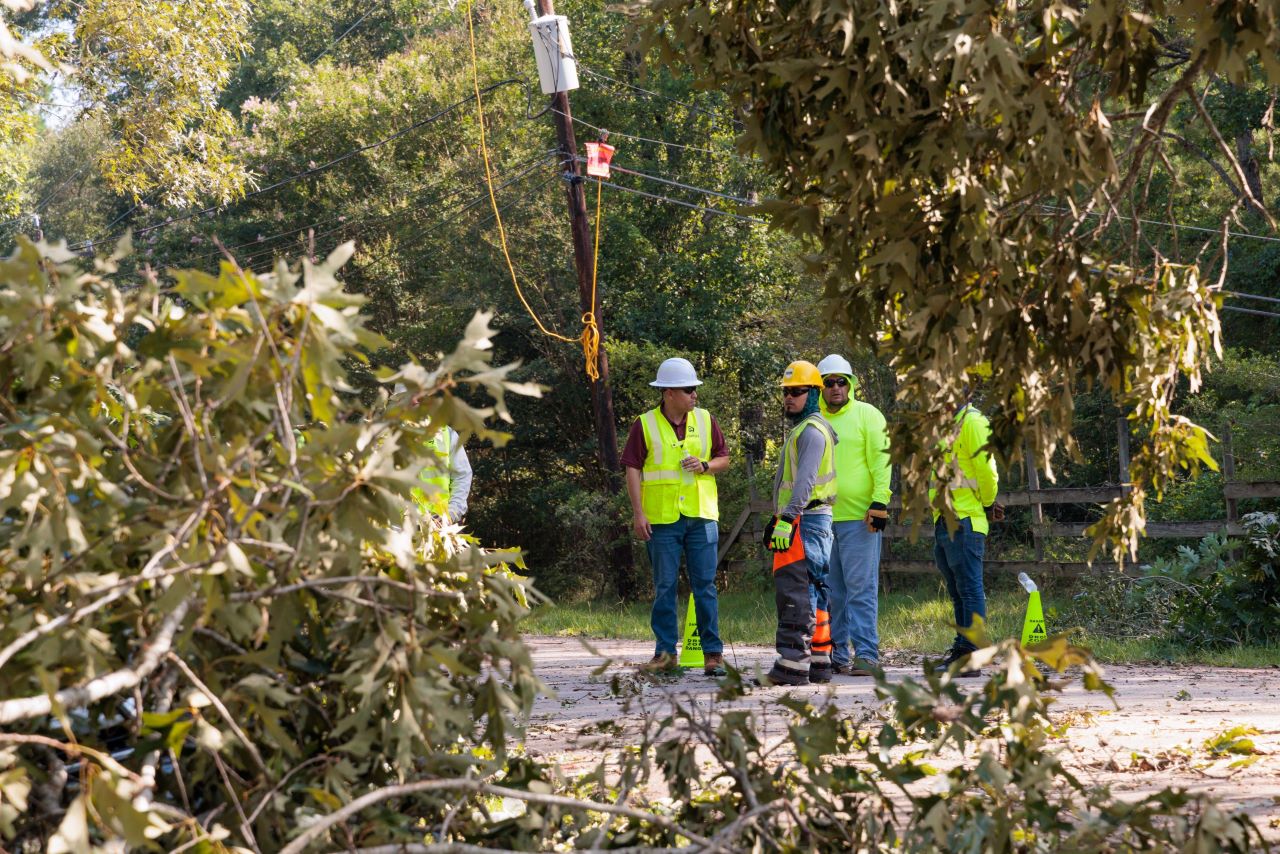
(800, 533)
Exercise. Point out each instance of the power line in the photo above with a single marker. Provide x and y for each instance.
(671, 183)
(489, 216)
(344, 34)
(316, 169)
(459, 208)
(40, 205)
(327, 48)
(1242, 310)
(677, 145)
(260, 240)
(651, 93)
(670, 200)
(1217, 231)
(1250, 296)
(54, 192)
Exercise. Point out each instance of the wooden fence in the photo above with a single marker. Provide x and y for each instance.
(750, 522)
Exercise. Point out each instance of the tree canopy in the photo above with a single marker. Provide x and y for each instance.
(956, 168)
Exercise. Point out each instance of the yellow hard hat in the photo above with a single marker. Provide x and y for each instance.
(801, 373)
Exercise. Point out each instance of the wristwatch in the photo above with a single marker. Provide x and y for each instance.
(705, 466)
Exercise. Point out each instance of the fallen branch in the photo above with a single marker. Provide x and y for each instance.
(103, 759)
(315, 583)
(159, 644)
(222, 710)
(300, 843)
(466, 848)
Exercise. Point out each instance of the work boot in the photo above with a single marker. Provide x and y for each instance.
(953, 655)
(662, 664)
(780, 675)
(857, 667)
(713, 665)
(820, 672)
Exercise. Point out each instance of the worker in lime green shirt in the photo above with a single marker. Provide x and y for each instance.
(959, 554)
(859, 518)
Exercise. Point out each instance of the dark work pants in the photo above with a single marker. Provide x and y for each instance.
(959, 558)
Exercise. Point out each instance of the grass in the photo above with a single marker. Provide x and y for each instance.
(915, 620)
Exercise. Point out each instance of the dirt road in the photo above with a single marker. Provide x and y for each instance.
(1156, 738)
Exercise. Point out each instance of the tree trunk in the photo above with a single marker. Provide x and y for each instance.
(1249, 164)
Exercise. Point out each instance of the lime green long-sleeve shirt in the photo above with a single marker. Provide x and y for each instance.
(979, 481)
(862, 459)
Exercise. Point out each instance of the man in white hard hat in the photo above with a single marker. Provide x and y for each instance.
(860, 516)
(450, 474)
(672, 455)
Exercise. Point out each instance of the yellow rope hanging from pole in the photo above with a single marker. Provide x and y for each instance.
(590, 337)
(590, 331)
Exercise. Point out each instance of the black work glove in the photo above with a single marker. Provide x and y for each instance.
(877, 517)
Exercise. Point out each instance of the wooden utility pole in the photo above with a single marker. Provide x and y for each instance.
(601, 391)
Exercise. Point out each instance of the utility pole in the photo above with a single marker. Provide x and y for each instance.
(601, 391)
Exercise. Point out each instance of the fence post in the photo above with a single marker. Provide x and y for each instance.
(886, 543)
(1228, 472)
(1122, 445)
(1037, 509)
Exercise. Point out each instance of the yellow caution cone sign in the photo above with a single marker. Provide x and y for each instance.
(1033, 630)
(691, 649)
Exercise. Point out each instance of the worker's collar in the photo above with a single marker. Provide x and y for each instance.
(663, 408)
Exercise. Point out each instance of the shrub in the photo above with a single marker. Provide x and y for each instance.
(1228, 589)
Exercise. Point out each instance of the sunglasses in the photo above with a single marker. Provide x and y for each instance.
(690, 390)
(834, 382)
(795, 392)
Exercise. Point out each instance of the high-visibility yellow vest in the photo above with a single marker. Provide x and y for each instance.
(862, 459)
(974, 488)
(437, 500)
(825, 486)
(667, 491)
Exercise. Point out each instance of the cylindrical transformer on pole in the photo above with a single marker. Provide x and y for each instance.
(557, 68)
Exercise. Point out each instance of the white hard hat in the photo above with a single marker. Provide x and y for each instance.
(834, 364)
(676, 373)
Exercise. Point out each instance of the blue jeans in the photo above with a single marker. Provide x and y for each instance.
(855, 601)
(697, 540)
(959, 559)
(815, 533)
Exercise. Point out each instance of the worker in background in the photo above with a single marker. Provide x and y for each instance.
(959, 553)
(449, 473)
(672, 455)
(859, 518)
(800, 534)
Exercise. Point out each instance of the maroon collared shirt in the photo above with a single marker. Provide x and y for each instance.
(636, 450)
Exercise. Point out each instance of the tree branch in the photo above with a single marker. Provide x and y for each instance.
(56, 623)
(1245, 190)
(315, 583)
(466, 848)
(1156, 119)
(222, 710)
(1204, 155)
(159, 644)
(71, 750)
(299, 844)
